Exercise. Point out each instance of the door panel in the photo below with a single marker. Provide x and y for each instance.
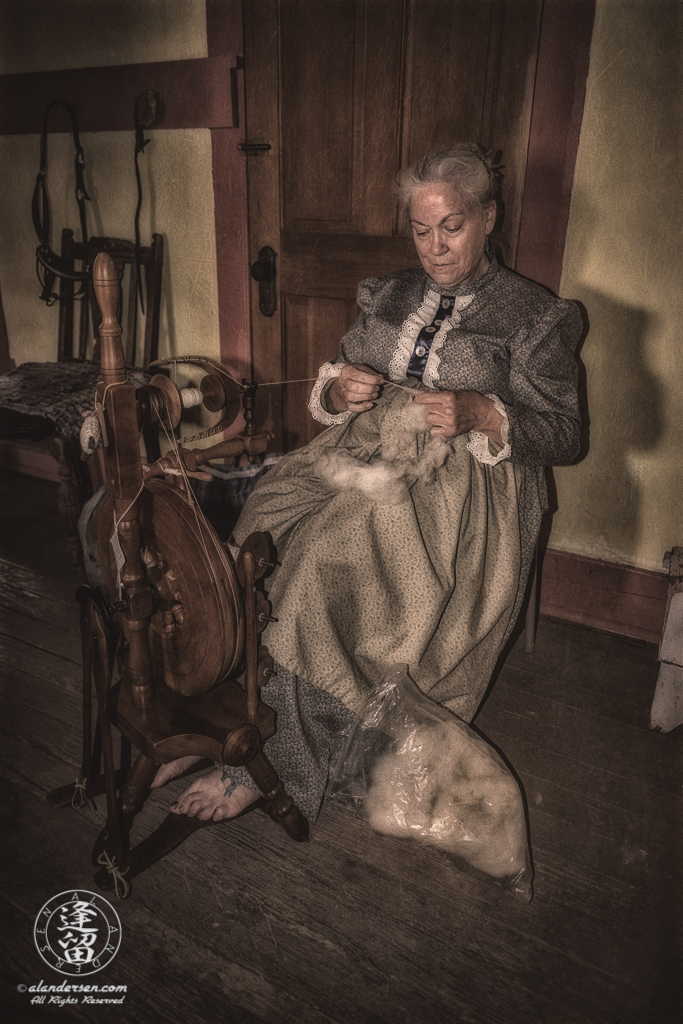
(306, 319)
(339, 111)
(317, 116)
(346, 92)
(446, 60)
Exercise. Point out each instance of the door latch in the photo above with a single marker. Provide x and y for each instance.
(263, 271)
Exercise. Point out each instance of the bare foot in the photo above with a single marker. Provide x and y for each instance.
(172, 769)
(214, 796)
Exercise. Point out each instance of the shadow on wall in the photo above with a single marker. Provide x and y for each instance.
(584, 443)
(625, 418)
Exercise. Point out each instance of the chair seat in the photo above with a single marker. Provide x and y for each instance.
(39, 399)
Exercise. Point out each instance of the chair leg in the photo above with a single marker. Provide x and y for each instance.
(69, 499)
(530, 617)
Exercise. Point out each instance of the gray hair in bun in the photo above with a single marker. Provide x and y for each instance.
(474, 174)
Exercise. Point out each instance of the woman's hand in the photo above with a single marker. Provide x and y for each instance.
(354, 390)
(451, 413)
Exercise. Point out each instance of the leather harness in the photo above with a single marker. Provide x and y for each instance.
(49, 265)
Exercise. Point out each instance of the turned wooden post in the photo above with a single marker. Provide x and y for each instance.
(107, 285)
(123, 477)
(251, 637)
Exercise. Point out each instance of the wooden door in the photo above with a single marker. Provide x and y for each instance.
(346, 92)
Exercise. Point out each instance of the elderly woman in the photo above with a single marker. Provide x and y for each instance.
(405, 531)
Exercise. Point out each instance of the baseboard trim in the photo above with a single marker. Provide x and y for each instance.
(617, 598)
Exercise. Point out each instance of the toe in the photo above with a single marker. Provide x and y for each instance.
(205, 812)
(192, 808)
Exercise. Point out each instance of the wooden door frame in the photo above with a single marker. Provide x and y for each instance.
(556, 116)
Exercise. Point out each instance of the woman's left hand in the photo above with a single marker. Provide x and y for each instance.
(451, 413)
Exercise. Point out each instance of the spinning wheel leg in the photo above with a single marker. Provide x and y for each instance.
(281, 806)
(137, 785)
(134, 791)
(242, 746)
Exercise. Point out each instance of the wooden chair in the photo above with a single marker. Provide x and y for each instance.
(189, 616)
(531, 613)
(44, 403)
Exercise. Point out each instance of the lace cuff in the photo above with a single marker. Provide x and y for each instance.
(326, 372)
(478, 443)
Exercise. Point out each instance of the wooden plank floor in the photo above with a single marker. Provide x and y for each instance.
(242, 925)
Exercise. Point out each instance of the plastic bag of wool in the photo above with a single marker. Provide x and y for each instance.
(419, 771)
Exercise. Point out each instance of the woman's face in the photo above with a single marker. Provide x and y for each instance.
(449, 235)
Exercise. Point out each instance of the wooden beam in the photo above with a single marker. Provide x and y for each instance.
(224, 36)
(193, 93)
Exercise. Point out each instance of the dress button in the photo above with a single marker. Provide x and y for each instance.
(420, 351)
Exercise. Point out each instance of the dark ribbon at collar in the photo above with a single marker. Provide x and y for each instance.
(423, 342)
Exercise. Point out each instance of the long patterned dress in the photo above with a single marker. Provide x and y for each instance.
(429, 572)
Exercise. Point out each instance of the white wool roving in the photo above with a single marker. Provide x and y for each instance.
(387, 479)
(382, 481)
(415, 417)
(443, 785)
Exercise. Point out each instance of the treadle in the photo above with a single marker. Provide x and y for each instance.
(173, 830)
(177, 726)
(63, 796)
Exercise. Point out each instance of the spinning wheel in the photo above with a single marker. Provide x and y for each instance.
(176, 616)
(196, 634)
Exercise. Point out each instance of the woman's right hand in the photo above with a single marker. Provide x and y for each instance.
(354, 390)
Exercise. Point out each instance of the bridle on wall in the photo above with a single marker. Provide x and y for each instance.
(49, 265)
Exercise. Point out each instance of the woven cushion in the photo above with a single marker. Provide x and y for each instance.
(37, 399)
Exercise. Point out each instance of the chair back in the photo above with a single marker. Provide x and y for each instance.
(79, 320)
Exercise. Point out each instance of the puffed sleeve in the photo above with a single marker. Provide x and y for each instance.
(353, 349)
(544, 417)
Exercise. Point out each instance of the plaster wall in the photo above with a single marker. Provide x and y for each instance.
(42, 35)
(624, 501)
(178, 203)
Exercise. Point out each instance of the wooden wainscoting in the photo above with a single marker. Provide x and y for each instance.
(618, 598)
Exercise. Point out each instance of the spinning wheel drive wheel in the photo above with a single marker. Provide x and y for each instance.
(196, 634)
